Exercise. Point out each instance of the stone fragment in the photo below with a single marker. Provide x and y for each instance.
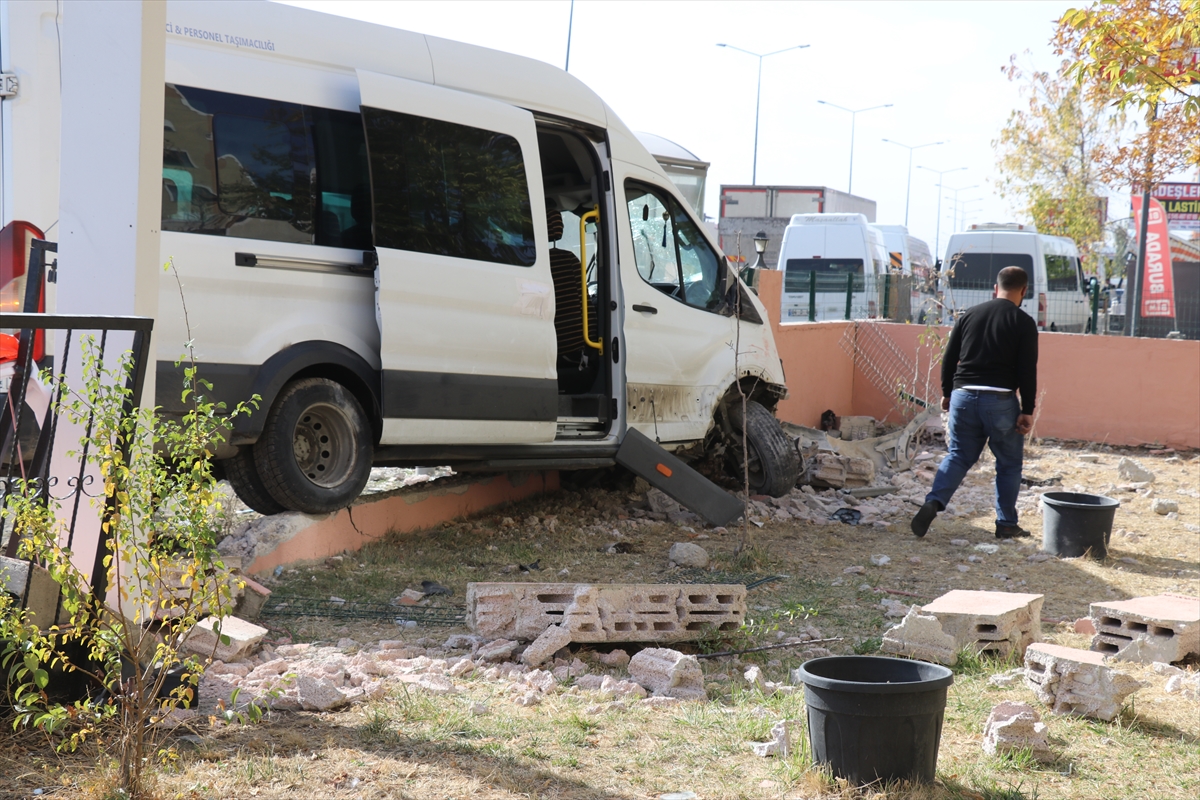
(855, 570)
(1132, 470)
(780, 744)
(998, 622)
(1161, 505)
(1076, 682)
(541, 680)
(254, 597)
(461, 641)
(990, 549)
(530, 698)
(660, 503)
(316, 694)
(668, 673)
(206, 638)
(544, 647)
(1089, 458)
(686, 554)
(604, 612)
(1163, 627)
(1006, 679)
(921, 636)
(1085, 625)
(498, 650)
(894, 609)
(880, 560)
(262, 536)
(621, 689)
(960, 542)
(464, 666)
(1012, 727)
(617, 658)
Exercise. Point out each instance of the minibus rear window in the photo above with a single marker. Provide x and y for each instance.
(448, 189)
(831, 273)
(979, 270)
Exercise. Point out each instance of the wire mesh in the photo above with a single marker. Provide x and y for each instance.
(910, 386)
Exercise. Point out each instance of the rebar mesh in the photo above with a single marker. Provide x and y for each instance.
(909, 386)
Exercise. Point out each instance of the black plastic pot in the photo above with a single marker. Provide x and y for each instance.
(1076, 524)
(873, 718)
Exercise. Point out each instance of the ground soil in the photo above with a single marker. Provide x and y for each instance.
(418, 746)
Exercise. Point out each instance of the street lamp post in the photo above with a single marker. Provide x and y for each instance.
(956, 191)
(961, 209)
(853, 112)
(908, 190)
(940, 172)
(758, 95)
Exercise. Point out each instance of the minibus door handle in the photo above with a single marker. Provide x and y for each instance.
(646, 308)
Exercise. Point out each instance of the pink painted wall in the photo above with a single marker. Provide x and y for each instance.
(1097, 388)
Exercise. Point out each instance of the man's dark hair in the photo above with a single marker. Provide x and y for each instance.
(1012, 278)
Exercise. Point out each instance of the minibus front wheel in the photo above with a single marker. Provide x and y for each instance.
(772, 464)
(314, 454)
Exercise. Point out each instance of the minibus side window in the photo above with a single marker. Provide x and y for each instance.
(236, 166)
(1061, 275)
(449, 189)
(670, 253)
(343, 193)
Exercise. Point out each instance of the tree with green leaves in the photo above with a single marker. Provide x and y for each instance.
(1046, 156)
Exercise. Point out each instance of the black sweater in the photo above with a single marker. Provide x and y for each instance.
(993, 344)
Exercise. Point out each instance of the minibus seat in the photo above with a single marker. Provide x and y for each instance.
(358, 236)
(568, 288)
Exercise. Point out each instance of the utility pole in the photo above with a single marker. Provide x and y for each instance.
(570, 25)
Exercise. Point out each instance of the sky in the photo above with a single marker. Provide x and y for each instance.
(657, 64)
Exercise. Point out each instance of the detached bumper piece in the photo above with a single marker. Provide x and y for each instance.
(646, 459)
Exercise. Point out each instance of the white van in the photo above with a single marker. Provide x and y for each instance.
(830, 264)
(416, 252)
(1057, 297)
(910, 257)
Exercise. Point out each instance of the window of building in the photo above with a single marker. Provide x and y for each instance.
(449, 189)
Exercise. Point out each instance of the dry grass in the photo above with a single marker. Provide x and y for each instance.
(415, 746)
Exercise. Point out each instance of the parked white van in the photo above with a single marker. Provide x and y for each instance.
(1057, 297)
(911, 257)
(830, 264)
(419, 252)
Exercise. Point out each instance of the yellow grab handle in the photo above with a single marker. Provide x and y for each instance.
(594, 214)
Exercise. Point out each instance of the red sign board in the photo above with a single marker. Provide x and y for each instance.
(1158, 286)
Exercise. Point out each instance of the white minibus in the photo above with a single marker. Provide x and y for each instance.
(416, 252)
(830, 264)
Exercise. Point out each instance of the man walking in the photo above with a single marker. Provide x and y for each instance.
(992, 353)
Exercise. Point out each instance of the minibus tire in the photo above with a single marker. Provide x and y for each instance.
(242, 475)
(774, 462)
(314, 454)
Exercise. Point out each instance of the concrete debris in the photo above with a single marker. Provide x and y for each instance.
(1179, 681)
(1132, 470)
(1006, 679)
(880, 560)
(497, 650)
(254, 597)
(963, 568)
(659, 502)
(1085, 625)
(463, 641)
(543, 648)
(668, 673)
(995, 622)
(960, 542)
(1012, 727)
(755, 678)
(894, 609)
(1163, 506)
(617, 658)
(780, 744)
(1089, 458)
(605, 613)
(1164, 627)
(830, 470)
(264, 535)
(686, 554)
(621, 689)
(43, 589)
(205, 638)
(530, 698)
(921, 636)
(855, 570)
(856, 428)
(990, 549)
(1076, 682)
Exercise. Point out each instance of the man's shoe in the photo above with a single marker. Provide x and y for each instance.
(1010, 532)
(920, 523)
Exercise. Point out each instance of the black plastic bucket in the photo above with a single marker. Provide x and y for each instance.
(1076, 524)
(872, 718)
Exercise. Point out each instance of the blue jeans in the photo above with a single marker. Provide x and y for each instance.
(977, 418)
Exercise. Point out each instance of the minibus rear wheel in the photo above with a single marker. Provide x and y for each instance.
(773, 463)
(314, 454)
(243, 477)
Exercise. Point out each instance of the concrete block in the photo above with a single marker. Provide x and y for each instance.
(254, 597)
(43, 590)
(668, 673)
(204, 639)
(1076, 682)
(996, 622)
(544, 647)
(1132, 470)
(832, 470)
(1012, 727)
(781, 740)
(921, 636)
(1164, 627)
(604, 613)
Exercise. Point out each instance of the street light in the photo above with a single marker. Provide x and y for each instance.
(758, 95)
(908, 191)
(962, 209)
(750, 274)
(853, 112)
(956, 191)
(937, 248)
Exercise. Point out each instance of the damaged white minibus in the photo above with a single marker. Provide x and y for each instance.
(417, 251)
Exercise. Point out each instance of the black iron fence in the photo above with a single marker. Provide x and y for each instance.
(36, 458)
